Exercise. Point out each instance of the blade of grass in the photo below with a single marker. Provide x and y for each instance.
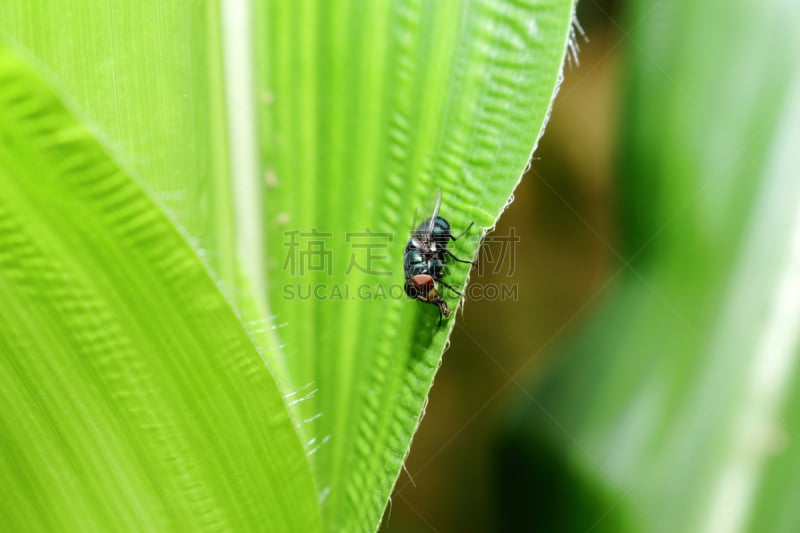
(149, 78)
(130, 395)
(366, 108)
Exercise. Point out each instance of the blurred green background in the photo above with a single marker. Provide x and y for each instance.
(643, 376)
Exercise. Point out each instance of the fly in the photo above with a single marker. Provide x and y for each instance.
(425, 256)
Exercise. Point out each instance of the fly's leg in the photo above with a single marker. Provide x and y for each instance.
(463, 232)
(448, 252)
(451, 288)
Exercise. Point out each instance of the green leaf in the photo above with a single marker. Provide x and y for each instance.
(148, 77)
(678, 396)
(248, 121)
(130, 395)
(365, 110)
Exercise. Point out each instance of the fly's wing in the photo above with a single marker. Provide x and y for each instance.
(437, 204)
(413, 234)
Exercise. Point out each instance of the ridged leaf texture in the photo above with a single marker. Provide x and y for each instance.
(270, 129)
(132, 397)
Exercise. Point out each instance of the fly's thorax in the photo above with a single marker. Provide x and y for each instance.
(436, 267)
(442, 233)
(421, 240)
(415, 264)
(418, 242)
(411, 258)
